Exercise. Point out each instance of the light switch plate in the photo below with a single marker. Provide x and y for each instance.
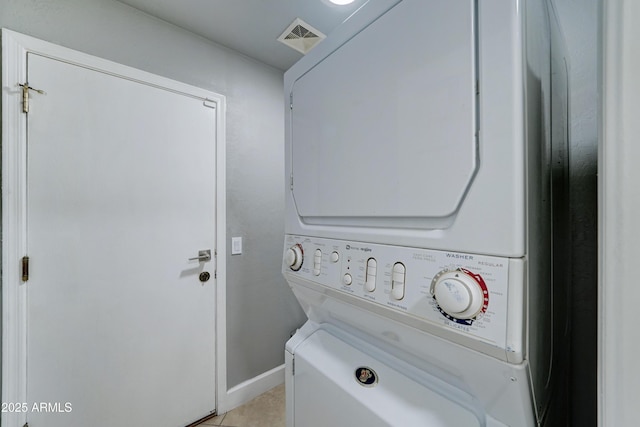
(236, 245)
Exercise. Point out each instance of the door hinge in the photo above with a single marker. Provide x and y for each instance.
(291, 101)
(291, 182)
(25, 95)
(293, 366)
(25, 268)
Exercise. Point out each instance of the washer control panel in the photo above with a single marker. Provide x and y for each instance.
(465, 292)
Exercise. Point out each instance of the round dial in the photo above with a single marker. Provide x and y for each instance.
(460, 293)
(294, 257)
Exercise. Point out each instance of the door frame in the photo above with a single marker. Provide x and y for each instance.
(618, 207)
(15, 47)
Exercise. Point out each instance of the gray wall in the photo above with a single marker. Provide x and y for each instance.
(261, 310)
(580, 20)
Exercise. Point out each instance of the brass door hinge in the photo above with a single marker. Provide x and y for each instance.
(25, 95)
(25, 268)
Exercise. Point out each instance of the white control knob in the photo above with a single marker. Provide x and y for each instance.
(335, 256)
(317, 262)
(370, 277)
(458, 294)
(294, 257)
(397, 280)
(347, 279)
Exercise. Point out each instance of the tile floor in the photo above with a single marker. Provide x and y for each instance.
(266, 410)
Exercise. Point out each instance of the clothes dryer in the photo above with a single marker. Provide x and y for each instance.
(426, 170)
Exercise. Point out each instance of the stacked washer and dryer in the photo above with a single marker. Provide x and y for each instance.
(425, 213)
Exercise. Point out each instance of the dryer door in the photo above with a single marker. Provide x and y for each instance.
(336, 384)
(384, 128)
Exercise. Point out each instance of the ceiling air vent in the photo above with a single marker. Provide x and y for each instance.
(301, 36)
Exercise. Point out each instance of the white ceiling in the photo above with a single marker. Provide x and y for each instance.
(249, 26)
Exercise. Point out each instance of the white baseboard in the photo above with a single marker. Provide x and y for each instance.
(250, 389)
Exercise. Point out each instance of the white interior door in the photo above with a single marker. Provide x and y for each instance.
(121, 192)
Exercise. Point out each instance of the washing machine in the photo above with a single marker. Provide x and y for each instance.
(426, 175)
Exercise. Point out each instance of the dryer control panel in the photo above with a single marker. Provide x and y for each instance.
(468, 293)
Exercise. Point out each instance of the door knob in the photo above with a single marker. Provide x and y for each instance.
(203, 256)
